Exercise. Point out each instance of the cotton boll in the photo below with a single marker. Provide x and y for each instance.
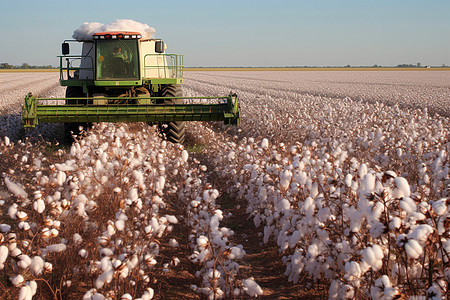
(83, 253)
(421, 233)
(4, 251)
(15, 188)
(172, 219)
(77, 239)
(402, 188)
(37, 265)
(413, 249)
(5, 227)
(352, 270)
(237, 252)
(120, 225)
(395, 223)
(24, 262)
(17, 280)
(408, 205)
(251, 287)
(173, 243)
(265, 144)
(202, 242)
(285, 179)
(39, 206)
(56, 247)
(440, 206)
(25, 293)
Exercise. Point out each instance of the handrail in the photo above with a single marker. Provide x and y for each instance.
(68, 68)
(176, 65)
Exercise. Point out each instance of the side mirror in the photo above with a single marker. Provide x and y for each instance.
(65, 48)
(159, 47)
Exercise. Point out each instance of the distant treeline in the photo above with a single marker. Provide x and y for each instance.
(331, 67)
(24, 66)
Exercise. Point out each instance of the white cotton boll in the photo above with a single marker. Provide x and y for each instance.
(15, 188)
(413, 249)
(24, 226)
(160, 182)
(202, 241)
(7, 141)
(139, 177)
(439, 206)
(37, 265)
(348, 180)
(148, 294)
(237, 252)
(126, 297)
(17, 280)
(172, 219)
(39, 206)
(21, 215)
(362, 170)
(33, 286)
(173, 243)
(5, 227)
(24, 262)
(352, 270)
(421, 233)
(56, 247)
(92, 294)
(368, 183)
(300, 177)
(133, 194)
(184, 156)
(309, 207)
(120, 225)
(294, 239)
(61, 178)
(106, 252)
(252, 288)
(25, 293)
(77, 239)
(104, 277)
(402, 188)
(346, 292)
(83, 253)
(285, 179)
(4, 252)
(283, 205)
(395, 223)
(408, 205)
(265, 143)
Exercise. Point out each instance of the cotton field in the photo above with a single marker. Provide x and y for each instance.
(346, 173)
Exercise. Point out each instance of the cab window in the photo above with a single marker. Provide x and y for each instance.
(117, 59)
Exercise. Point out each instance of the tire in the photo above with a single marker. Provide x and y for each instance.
(174, 131)
(71, 129)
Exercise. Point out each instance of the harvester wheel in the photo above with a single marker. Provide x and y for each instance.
(73, 128)
(174, 131)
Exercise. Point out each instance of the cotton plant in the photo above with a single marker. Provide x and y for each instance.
(211, 250)
(98, 212)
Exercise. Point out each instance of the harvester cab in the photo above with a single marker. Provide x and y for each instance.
(122, 77)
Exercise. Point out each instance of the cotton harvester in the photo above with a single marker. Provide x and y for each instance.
(122, 77)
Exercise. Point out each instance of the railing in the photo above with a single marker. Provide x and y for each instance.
(68, 69)
(163, 66)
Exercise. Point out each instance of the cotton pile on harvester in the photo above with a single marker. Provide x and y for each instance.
(124, 76)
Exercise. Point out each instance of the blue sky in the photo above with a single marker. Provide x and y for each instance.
(245, 32)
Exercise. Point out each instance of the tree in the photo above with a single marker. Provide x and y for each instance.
(5, 66)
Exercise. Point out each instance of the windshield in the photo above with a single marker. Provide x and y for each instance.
(117, 59)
